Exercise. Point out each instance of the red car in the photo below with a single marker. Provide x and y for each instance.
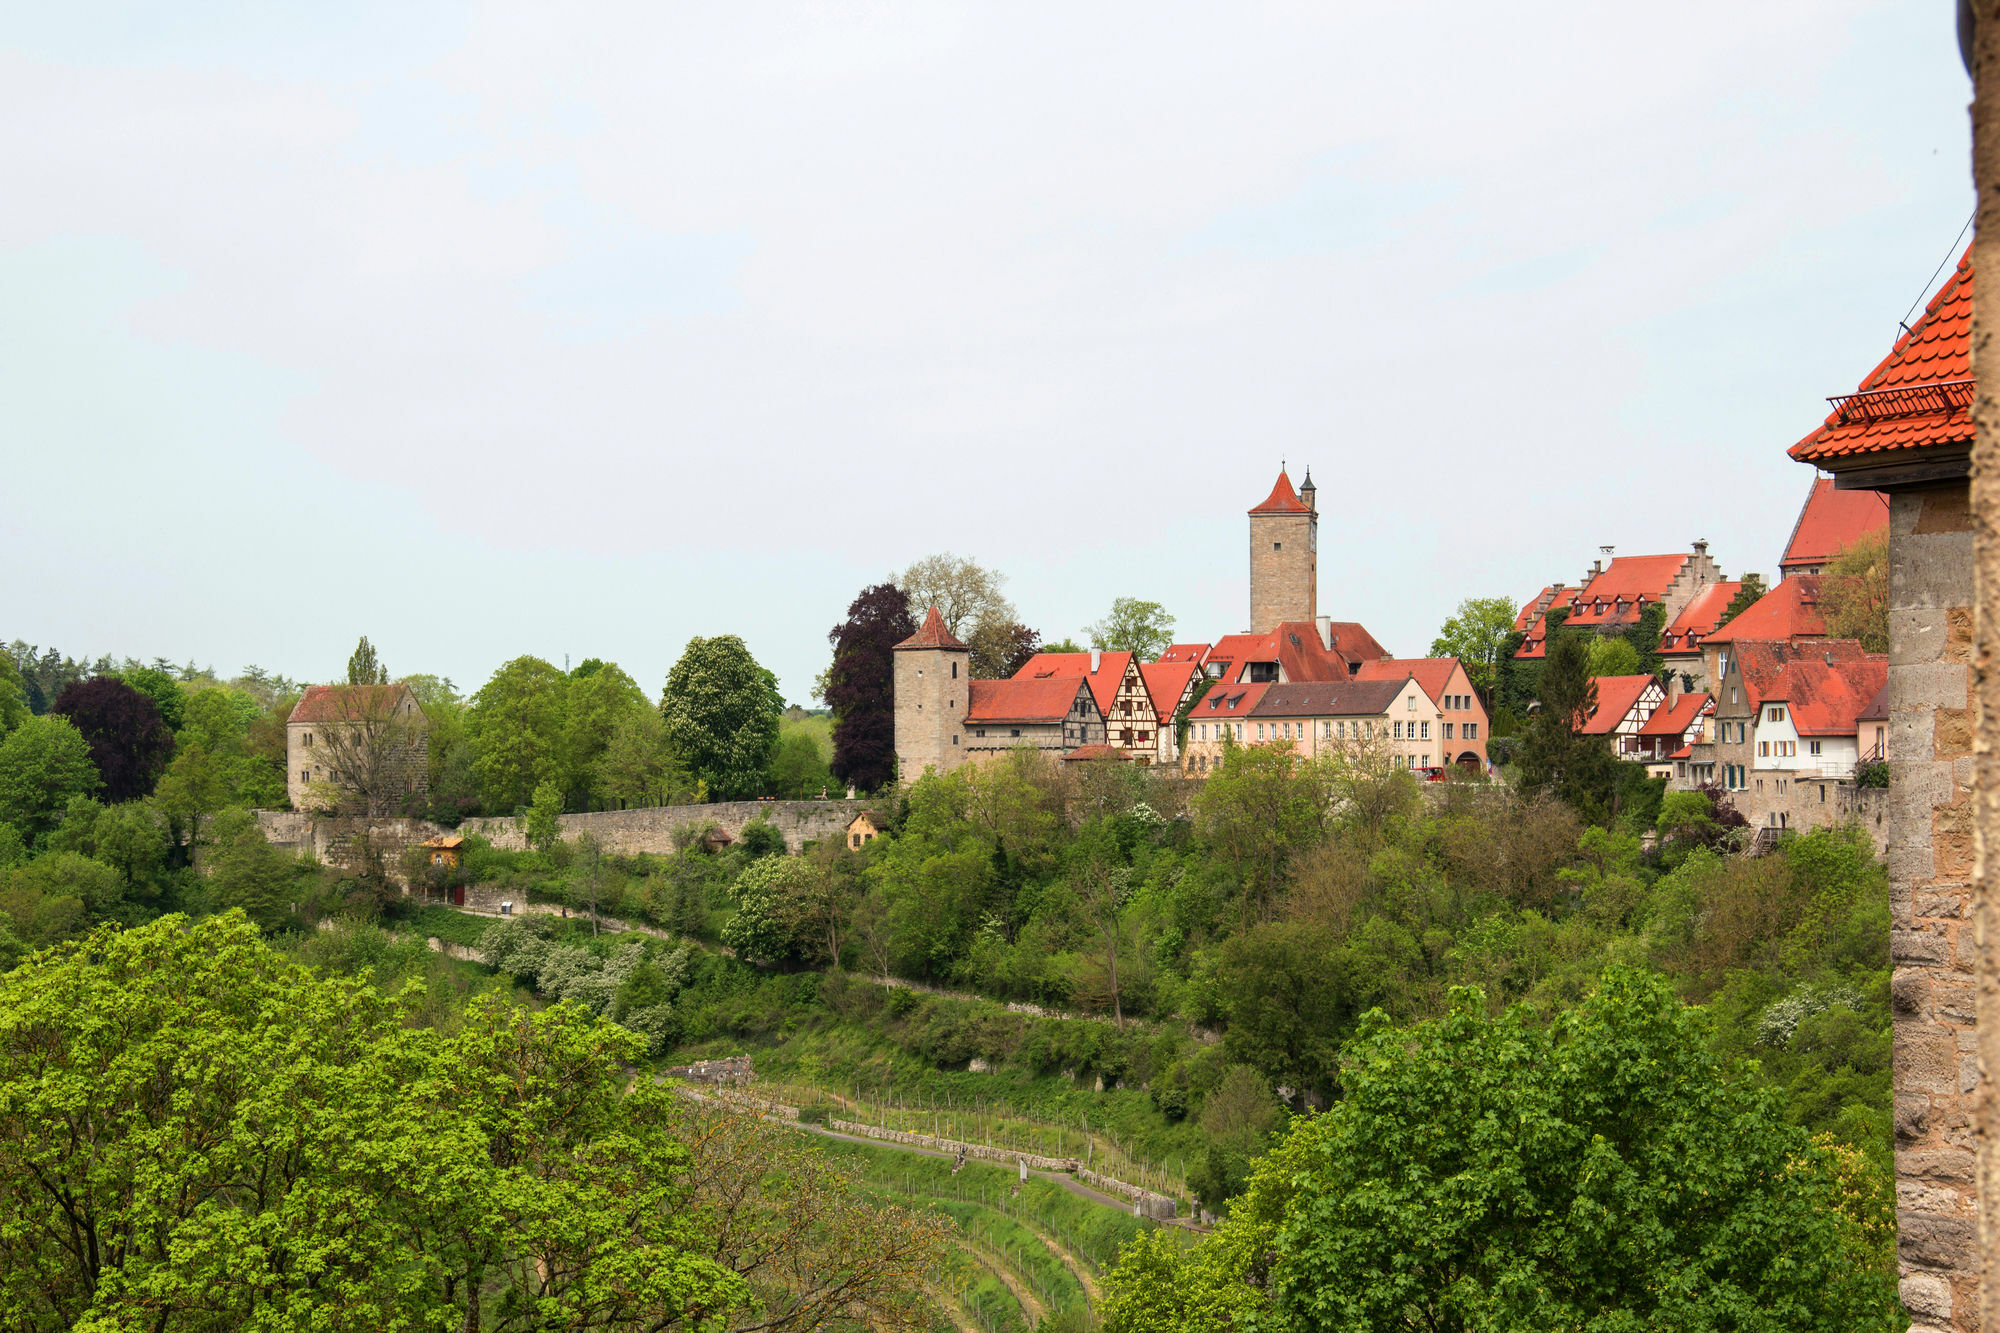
(1432, 774)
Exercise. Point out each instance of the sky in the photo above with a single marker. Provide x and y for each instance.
(488, 330)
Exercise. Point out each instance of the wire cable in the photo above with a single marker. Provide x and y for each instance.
(1904, 322)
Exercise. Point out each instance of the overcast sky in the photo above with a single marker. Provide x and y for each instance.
(583, 329)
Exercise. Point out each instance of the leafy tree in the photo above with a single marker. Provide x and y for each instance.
(248, 873)
(1258, 807)
(1753, 588)
(1613, 655)
(1601, 1170)
(798, 768)
(1854, 593)
(542, 825)
(1133, 626)
(44, 764)
(129, 742)
(964, 592)
(515, 724)
(722, 712)
(638, 767)
(768, 924)
(1476, 634)
(1288, 1004)
(364, 668)
(599, 699)
(1552, 756)
(1064, 645)
(129, 838)
(1001, 648)
(14, 708)
(160, 686)
(860, 685)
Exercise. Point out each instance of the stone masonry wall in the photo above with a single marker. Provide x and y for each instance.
(1931, 937)
(338, 840)
(1283, 582)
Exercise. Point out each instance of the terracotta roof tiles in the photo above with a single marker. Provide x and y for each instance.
(1831, 521)
(348, 703)
(1675, 718)
(1282, 499)
(1330, 698)
(1699, 618)
(1433, 674)
(1040, 700)
(1919, 397)
(933, 634)
(1788, 611)
(1615, 697)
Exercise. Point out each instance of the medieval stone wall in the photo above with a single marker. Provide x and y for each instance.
(338, 841)
(1931, 938)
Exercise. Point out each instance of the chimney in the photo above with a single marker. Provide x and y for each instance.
(1325, 632)
(1096, 660)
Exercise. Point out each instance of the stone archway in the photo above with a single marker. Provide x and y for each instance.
(1470, 762)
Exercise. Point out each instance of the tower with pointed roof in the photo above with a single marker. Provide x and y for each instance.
(1284, 556)
(933, 682)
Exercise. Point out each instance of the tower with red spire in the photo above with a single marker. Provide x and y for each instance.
(1284, 556)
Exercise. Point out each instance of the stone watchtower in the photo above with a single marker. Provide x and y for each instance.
(1284, 556)
(933, 680)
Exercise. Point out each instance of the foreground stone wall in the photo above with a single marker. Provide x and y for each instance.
(1930, 869)
(339, 840)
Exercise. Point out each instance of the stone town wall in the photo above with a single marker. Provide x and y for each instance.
(1931, 937)
(338, 840)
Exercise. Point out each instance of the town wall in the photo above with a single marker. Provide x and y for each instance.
(338, 840)
(1932, 949)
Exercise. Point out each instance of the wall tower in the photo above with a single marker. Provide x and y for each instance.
(933, 681)
(1284, 556)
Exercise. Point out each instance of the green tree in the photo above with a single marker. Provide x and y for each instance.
(364, 668)
(1133, 626)
(966, 593)
(542, 825)
(161, 687)
(1552, 756)
(1476, 634)
(798, 769)
(14, 708)
(722, 711)
(1598, 1171)
(1258, 808)
(599, 701)
(638, 767)
(516, 725)
(44, 764)
(249, 874)
(1753, 588)
(1063, 645)
(1288, 1003)
(1612, 656)
(768, 923)
(1854, 592)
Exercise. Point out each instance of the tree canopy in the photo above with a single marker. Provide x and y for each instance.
(1133, 626)
(1854, 593)
(44, 763)
(722, 711)
(860, 686)
(1476, 634)
(129, 742)
(364, 667)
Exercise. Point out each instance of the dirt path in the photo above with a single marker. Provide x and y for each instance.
(953, 1310)
(1024, 1296)
(1074, 1260)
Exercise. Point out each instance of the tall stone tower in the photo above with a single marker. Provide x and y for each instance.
(933, 681)
(1284, 556)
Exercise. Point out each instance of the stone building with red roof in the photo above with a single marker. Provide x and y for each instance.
(1681, 641)
(1284, 555)
(349, 742)
(1907, 431)
(1392, 720)
(1623, 706)
(1614, 596)
(1667, 739)
(1118, 687)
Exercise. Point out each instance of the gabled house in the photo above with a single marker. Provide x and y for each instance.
(1624, 705)
(1047, 713)
(1674, 727)
(1830, 521)
(1395, 716)
(1615, 596)
(1294, 651)
(1221, 718)
(1119, 689)
(1680, 644)
(1787, 613)
(360, 746)
(1169, 685)
(1462, 720)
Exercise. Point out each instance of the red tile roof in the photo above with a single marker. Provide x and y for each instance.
(1920, 396)
(1615, 697)
(1228, 701)
(1433, 674)
(1166, 685)
(1878, 707)
(1044, 700)
(1618, 593)
(1086, 753)
(1295, 646)
(1330, 698)
(1788, 611)
(1766, 666)
(1831, 521)
(1534, 609)
(1353, 643)
(1186, 652)
(1828, 698)
(348, 703)
(1104, 682)
(1282, 499)
(1675, 718)
(1699, 618)
(933, 634)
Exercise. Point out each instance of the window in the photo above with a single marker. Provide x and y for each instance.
(854, 841)
(954, 738)
(305, 775)
(979, 731)
(1447, 731)
(1763, 749)
(1471, 732)
(309, 738)
(1277, 546)
(954, 671)
(1239, 731)
(1777, 714)
(1413, 703)
(1260, 731)
(1399, 729)
(1326, 731)
(1812, 747)
(1015, 732)
(1424, 729)
(1822, 793)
